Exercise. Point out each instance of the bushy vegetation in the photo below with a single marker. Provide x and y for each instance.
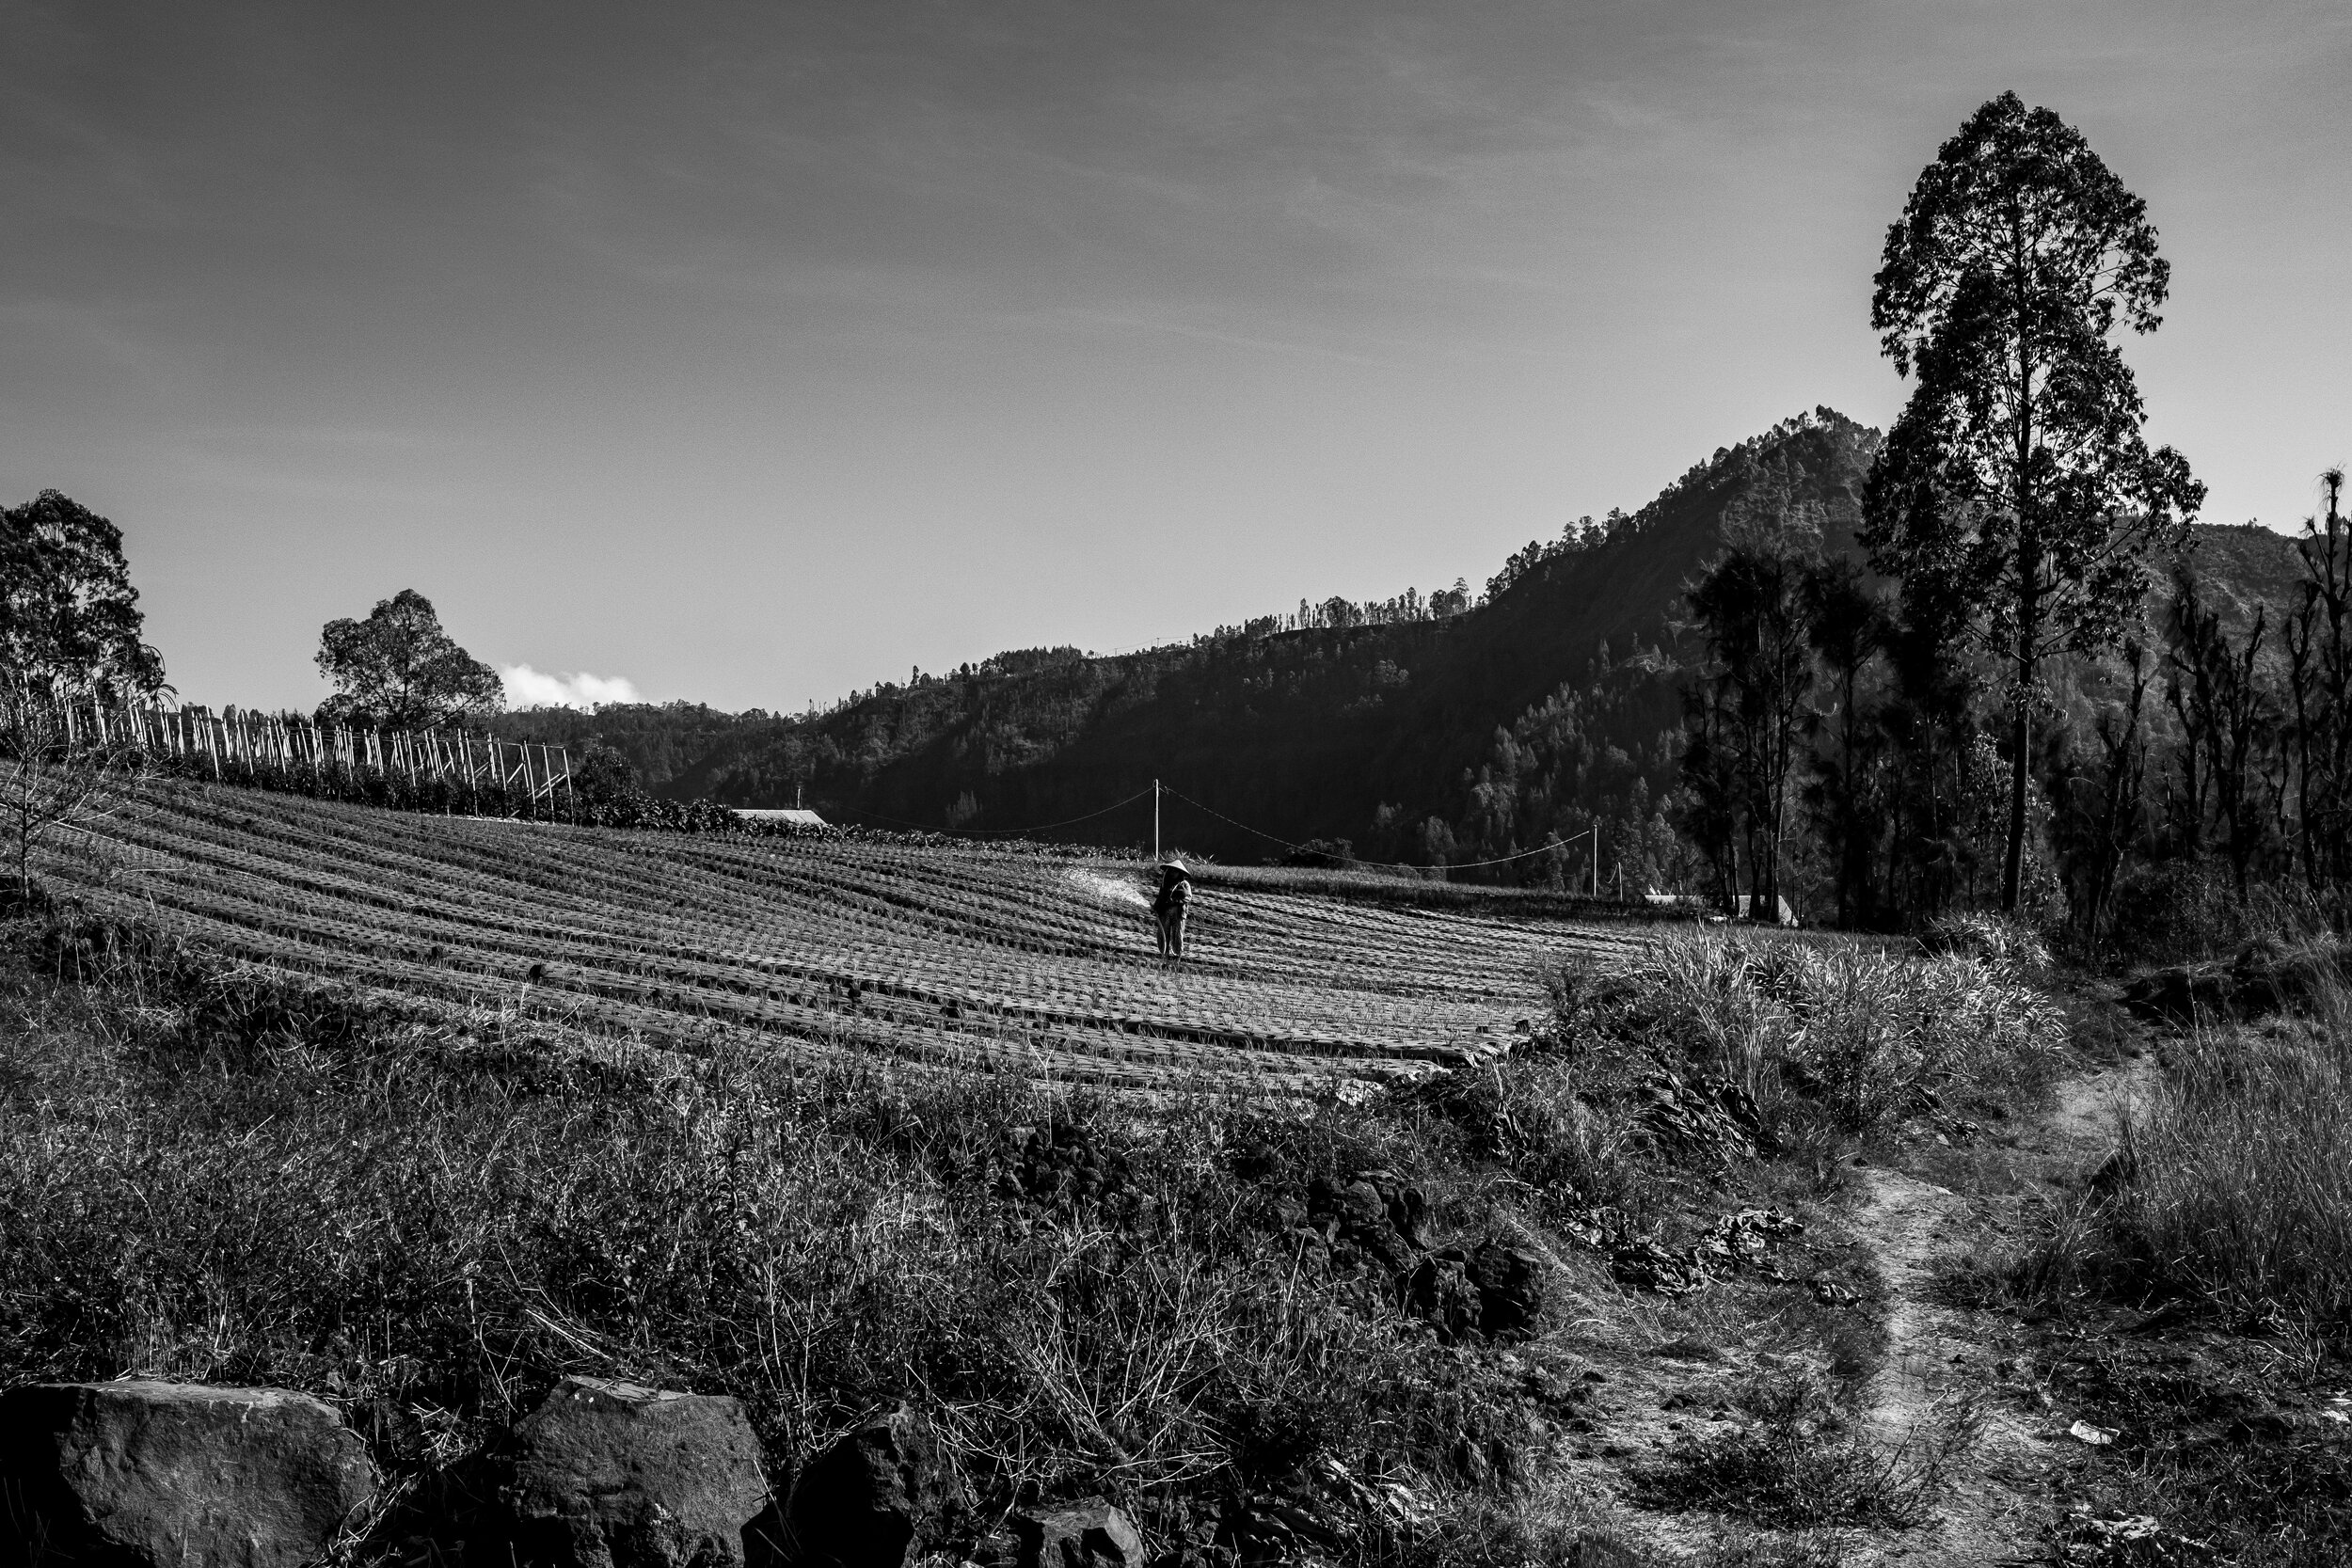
(2198, 1293)
(224, 1176)
(2233, 1180)
(220, 1174)
(1853, 1037)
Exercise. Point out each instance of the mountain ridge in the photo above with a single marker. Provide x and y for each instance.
(1549, 703)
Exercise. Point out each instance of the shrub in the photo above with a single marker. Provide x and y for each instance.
(1551, 1121)
(1865, 1035)
(2006, 947)
(2184, 910)
(2234, 1179)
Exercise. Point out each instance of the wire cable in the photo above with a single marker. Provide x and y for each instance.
(1271, 838)
(1008, 833)
(1453, 865)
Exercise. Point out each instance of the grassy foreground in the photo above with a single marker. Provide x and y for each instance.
(2194, 1298)
(212, 1173)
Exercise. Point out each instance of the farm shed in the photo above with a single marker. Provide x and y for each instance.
(793, 815)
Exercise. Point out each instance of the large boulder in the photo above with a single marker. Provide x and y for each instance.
(1091, 1534)
(870, 1498)
(144, 1475)
(611, 1475)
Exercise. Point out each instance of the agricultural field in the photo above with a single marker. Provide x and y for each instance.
(965, 956)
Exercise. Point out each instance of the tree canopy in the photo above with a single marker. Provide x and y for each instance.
(69, 616)
(399, 670)
(2017, 497)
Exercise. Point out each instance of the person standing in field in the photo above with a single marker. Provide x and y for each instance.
(1169, 908)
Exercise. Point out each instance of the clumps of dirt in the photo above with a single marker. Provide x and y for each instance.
(2086, 1538)
(1734, 1242)
(2227, 1438)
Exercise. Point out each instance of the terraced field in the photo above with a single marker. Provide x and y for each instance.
(972, 955)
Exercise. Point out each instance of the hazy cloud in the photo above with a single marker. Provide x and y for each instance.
(529, 687)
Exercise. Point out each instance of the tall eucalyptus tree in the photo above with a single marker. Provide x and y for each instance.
(2016, 496)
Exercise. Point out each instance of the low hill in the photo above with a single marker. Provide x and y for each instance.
(1552, 701)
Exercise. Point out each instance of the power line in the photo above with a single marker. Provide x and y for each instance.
(1008, 833)
(1271, 838)
(1456, 865)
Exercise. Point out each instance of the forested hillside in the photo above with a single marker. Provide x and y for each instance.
(1438, 732)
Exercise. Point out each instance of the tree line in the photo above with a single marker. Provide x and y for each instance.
(2015, 718)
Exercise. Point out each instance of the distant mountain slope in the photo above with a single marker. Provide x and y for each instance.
(1553, 699)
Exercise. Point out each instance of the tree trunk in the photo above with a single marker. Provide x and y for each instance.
(2013, 858)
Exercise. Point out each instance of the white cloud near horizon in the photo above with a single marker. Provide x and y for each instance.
(529, 687)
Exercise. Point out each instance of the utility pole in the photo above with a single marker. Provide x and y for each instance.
(1596, 857)
(1155, 821)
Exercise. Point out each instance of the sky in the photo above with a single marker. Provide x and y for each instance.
(752, 353)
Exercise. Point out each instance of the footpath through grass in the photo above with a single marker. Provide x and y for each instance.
(2193, 1298)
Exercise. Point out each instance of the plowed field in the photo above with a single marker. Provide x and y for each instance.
(826, 946)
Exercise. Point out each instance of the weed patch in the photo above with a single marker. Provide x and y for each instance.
(2234, 1182)
(1799, 1465)
(1849, 1039)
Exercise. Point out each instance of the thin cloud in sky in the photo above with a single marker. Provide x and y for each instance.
(529, 687)
(788, 346)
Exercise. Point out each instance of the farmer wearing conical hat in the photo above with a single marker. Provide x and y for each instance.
(1169, 907)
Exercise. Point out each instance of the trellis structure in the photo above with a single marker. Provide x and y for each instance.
(251, 743)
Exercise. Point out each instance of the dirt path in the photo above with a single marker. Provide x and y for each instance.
(1940, 1364)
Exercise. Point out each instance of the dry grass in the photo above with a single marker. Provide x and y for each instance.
(2234, 1180)
(2197, 1298)
(229, 1178)
(1858, 1035)
(232, 1176)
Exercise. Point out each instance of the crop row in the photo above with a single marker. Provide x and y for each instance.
(947, 956)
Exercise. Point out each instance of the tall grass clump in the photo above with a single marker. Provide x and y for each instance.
(2234, 1179)
(1855, 1033)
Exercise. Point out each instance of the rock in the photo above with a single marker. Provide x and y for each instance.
(1493, 1288)
(1510, 1286)
(1408, 1212)
(2262, 980)
(142, 1473)
(611, 1475)
(1091, 1534)
(869, 1499)
(1382, 1222)
(1743, 1239)
(1439, 1292)
(1363, 1209)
